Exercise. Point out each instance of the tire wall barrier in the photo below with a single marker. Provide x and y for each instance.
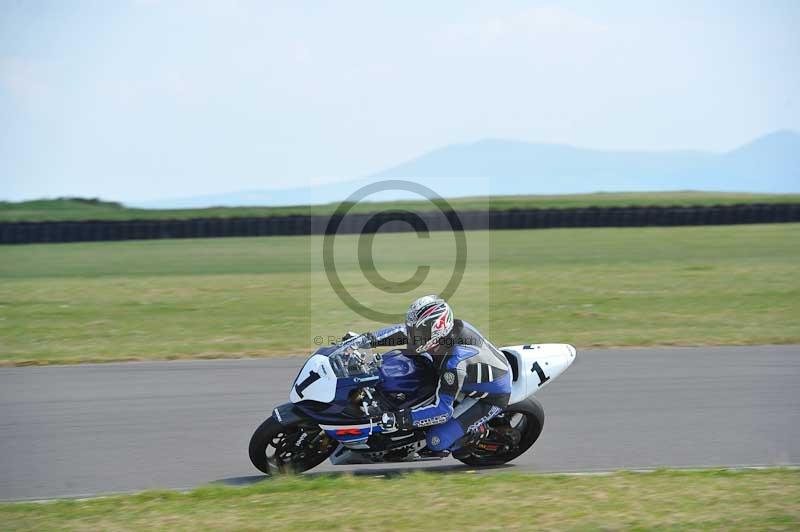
(396, 221)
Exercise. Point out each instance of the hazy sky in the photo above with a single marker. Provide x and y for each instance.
(137, 100)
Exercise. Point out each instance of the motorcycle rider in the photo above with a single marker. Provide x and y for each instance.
(474, 377)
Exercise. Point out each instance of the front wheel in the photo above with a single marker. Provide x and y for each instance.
(277, 448)
(510, 434)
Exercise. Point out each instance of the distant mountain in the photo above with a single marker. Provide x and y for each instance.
(769, 164)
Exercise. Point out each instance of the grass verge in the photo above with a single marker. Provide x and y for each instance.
(240, 297)
(709, 500)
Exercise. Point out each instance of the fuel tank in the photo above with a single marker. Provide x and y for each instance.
(410, 375)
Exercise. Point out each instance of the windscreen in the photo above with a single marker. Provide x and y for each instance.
(355, 358)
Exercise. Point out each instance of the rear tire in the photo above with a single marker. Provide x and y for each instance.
(276, 448)
(533, 414)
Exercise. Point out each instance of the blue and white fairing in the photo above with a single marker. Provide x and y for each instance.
(315, 382)
(325, 387)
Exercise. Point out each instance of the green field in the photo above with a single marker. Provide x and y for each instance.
(232, 297)
(76, 209)
(691, 500)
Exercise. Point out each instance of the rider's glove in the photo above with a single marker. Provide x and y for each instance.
(388, 421)
(349, 336)
(400, 420)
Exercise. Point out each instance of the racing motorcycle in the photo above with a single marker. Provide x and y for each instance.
(338, 397)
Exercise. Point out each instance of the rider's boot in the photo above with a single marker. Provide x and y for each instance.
(470, 440)
(433, 454)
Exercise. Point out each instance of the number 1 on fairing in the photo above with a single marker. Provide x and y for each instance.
(540, 372)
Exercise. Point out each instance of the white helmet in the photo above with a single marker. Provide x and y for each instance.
(429, 319)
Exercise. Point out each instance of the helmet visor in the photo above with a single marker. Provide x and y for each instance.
(418, 336)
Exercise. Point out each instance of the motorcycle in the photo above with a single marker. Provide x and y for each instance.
(338, 397)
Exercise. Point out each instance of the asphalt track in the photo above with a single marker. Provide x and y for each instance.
(81, 430)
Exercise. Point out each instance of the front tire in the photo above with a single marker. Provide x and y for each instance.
(514, 431)
(276, 448)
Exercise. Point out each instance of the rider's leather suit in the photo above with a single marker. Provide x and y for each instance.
(474, 384)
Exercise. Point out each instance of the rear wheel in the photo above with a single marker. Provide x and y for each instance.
(510, 434)
(276, 448)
